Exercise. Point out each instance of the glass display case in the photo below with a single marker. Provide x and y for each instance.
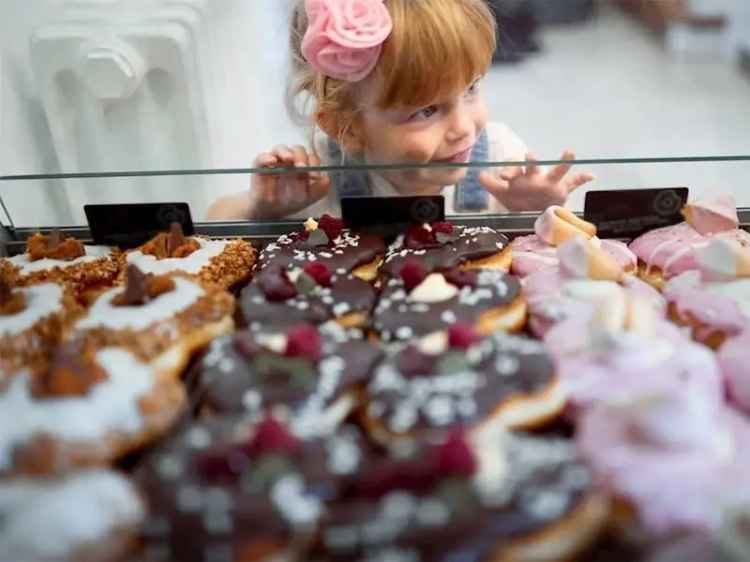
(508, 352)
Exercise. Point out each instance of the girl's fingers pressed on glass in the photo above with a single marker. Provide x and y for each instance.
(531, 168)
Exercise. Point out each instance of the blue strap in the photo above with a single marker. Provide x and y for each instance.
(470, 195)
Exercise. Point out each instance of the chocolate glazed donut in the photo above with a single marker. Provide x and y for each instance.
(279, 298)
(446, 502)
(328, 242)
(478, 383)
(229, 489)
(317, 377)
(417, 303)
(443, 246)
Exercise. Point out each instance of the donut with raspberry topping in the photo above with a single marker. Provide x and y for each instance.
(419, 302)
(455, 379)
(326, 241)
(316, 375)
(278, 298)
(443, 246)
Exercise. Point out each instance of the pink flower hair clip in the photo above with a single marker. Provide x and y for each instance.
(344, 38)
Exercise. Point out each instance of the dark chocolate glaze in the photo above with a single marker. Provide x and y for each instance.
(347, 294)
(456, 519)
(344, 254)
(397, 318)
(465, 244)
(457, 387)
(237, 376)
(208, 499)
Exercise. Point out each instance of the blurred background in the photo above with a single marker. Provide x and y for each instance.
(112, 85)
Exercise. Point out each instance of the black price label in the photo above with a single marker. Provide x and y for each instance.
(628, 213)
(130, 225)
(391, 215)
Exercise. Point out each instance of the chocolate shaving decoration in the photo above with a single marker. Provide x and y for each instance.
(135, 288)
(176, 238)
(141, 288)
(73, 371)
(10, 302)
(54, 240)
(172, 244)
(54, 246)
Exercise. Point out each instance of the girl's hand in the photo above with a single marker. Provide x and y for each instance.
(275, 196)
(533, 189)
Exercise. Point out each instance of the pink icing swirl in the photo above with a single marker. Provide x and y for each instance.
(678, 460)
(344, 38)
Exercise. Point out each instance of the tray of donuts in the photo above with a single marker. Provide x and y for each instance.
(450, 394)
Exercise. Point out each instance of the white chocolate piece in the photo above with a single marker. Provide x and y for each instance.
(433, 289)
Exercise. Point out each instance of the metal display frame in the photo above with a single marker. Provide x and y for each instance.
(13, 239)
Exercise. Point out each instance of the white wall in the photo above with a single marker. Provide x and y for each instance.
(241, 60)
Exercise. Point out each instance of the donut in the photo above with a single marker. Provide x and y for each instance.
(162, 320)
(458, 378)
(583, 276)
(623, 349)
(224, 263)
(64, 260)
(90, 515)
(327, 241)
(554, 227)
(237, 490)
(89, 408)
(447, 246)
(318, 376)
(667, 252)
(32, 322)
(734, 361)
(676, 458)
(713, 301)
(510, 498)
(279, 298)
(419, 301)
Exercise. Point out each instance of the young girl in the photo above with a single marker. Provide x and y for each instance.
(397, 81)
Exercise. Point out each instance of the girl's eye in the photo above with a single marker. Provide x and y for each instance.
(474, 88)
(424, 113)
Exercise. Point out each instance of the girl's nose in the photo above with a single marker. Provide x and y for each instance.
(461, 124)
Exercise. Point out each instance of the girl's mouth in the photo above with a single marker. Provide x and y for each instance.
(458, 158)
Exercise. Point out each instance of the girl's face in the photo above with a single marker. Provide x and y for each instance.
(445, 131)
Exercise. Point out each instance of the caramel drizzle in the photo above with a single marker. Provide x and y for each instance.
(141, 289)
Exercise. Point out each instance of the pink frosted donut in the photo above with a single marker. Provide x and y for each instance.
(713, 311)
(676, 458)
(553, 298)
(552, 229)
(585, 276)
(532, 254)
(667, 252)
(734, 359)
(598, 367)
